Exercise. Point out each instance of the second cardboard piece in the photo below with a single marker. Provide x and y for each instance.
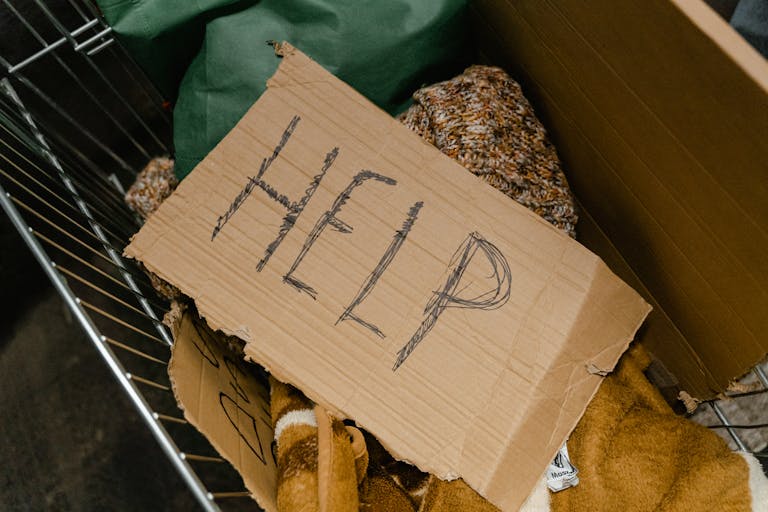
(227, 403)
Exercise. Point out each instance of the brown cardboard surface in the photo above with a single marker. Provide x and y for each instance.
(449, 321)
(660, 114)
(227, 404)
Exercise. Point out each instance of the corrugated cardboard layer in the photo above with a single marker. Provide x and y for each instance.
(660, 113)
(466, 352)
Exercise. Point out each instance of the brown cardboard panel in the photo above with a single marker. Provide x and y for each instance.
(446, 319)
(659, 254)
(667, 212)
(669, 167)
(226, 403)
(714, 194)
(580, 154)
(680, 219)
(703, 80)
(659, 333)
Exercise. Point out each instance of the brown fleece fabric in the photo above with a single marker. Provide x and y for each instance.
(359, 452)
(297, 484)
(390, 485)
(634, 453)
(380, 493)
(336, 468)
(317, 459)
(444, 496)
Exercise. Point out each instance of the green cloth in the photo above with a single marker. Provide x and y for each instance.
(386, 49)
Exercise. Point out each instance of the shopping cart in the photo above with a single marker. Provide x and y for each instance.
(68, 147)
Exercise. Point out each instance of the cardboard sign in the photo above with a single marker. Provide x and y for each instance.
(392, 286)
(227, 404)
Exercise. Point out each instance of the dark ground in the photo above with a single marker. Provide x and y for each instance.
(69, 438)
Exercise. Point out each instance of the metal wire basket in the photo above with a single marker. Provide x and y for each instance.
(68, 146)
(77, 120)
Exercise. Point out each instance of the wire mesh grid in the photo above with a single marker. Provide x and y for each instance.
(741, 416)
(77, 120)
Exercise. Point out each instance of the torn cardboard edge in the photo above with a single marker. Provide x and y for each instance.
(486, 386)
(199, 380)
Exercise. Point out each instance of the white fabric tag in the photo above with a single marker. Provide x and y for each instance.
(561, 474)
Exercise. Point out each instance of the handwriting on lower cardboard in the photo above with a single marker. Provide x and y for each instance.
(447, 294)
(240, 418)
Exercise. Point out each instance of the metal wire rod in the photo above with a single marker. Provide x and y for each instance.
(100, 47)
(173, 419)
(56, 226)
(113, 255)
(51, 179)
(60, 111)
(37, 197)
(147, 382)
(150, 92)
(761, 376)
(65, 180)
(200, 458)
(101, 182)
(27, 140)
(132, 350)
(94, 185)
(56, 23)
(89, 42)
(35, 147)
(112, 317)
(93, 267)
(47, 48)
(90, 249)
(161, 435)
(727, 425)
(226, 495)
(76, 78)
(104, 292)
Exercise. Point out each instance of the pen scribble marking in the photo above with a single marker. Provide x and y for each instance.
(329, 218)
(250, 433)
(255, 180)
(381, 267)
(233, 368)
(448, 297)
(295, 209)
(207, 352)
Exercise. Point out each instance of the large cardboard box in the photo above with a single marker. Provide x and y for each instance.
(659, 111)
(660, 115)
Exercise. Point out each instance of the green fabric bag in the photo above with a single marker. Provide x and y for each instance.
(384, 49)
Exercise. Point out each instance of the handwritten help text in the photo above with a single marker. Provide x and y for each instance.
(447, 295)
